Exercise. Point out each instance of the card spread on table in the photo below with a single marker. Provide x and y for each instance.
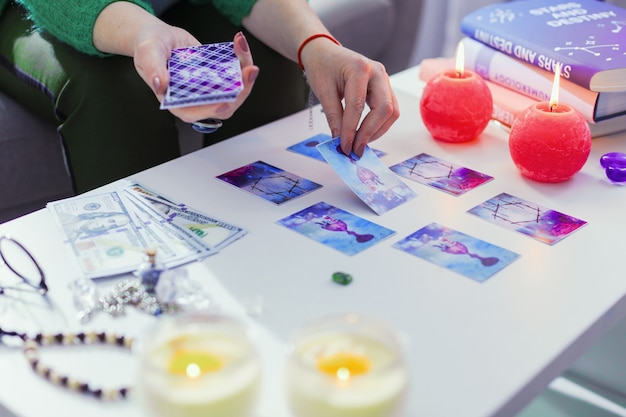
(543, 224)
(367, 177)
(308, 148)
(456, 251)
(204, 74)
(336, 228)
(440, 174)
(269, 182)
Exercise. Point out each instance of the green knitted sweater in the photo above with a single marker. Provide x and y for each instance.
(72, 21)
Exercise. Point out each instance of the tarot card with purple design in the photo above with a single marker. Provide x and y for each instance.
(204, 74)
(437, 173)
(367, 177)
(336, 228)
(456, 251)
(308, 147)
(269, 182)
(543, 224)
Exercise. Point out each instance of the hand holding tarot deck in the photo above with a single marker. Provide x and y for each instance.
(205, 74)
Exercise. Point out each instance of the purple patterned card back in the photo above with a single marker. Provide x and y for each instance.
(204, 74)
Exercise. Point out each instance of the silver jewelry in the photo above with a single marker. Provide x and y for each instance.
(207, 125)
(124, 293)
(174, 292)
(129, 292)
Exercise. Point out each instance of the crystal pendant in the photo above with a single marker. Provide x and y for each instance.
(150, 271)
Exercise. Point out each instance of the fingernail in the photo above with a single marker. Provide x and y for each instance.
(156, 83)
(360, 150)
(253, 74)
(243, 42)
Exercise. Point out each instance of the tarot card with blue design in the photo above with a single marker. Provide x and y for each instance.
(308, 147)
(440, 174)
(456, 251)
(204, 74)
(336, 228)
(269, 182)
(541, 223)
(367, 177)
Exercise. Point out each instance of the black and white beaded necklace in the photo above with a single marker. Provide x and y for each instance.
(31, 345)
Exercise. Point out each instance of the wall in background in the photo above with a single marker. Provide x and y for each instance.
(440, 31)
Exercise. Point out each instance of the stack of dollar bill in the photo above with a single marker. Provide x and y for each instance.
(109, 232)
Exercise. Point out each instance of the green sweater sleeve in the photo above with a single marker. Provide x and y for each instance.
(71, 21)
(234, 10)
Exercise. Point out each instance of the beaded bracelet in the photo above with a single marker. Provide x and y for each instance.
(31, 352)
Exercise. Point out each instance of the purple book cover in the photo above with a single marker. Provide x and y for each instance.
(586, 36)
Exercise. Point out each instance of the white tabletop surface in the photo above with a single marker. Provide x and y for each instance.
(474, 349)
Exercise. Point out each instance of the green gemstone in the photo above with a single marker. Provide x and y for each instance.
(342, 278)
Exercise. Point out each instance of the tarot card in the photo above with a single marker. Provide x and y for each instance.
(437, 173)
(545, 225)
(204, 74)
(456, 251)
(367, 177)
(268, 182)
(336, 228)
(308, 147)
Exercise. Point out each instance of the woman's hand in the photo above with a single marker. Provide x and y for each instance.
(124, 28)
(336, 73)
(151, 63)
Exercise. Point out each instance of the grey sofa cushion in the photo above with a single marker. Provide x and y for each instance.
(365, 27)
(32, 160)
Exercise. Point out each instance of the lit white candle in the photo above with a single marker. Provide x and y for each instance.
(348, 366)
(197, 366)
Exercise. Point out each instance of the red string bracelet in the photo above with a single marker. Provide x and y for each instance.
(309, 39)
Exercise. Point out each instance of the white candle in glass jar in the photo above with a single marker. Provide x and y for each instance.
(346, 366)
(198, 365)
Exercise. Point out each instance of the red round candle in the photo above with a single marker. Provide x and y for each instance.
(550, 145)
(456, 107)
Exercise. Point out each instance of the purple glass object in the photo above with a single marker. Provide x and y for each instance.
(615, 159)
(616, 173)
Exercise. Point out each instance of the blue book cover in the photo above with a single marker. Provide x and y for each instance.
(585, 36)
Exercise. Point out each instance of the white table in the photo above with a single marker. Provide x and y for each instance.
(475, 349)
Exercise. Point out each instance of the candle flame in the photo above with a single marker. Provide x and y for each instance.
(193, 363)
(343, 374)
(193, 370)
(554, 97)
(460, 59)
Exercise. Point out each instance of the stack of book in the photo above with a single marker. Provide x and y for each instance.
(515, 46)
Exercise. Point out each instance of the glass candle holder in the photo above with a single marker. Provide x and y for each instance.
(346, 365)
(198, 364)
